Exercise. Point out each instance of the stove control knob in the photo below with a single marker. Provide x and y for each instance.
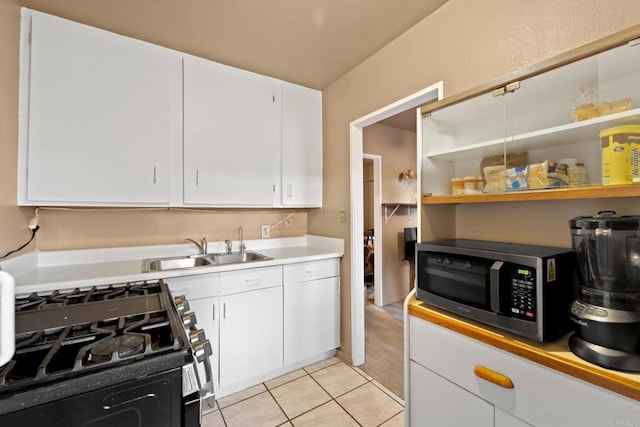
(202, 350)
(189, 319)
(182, 305)
(196, 336)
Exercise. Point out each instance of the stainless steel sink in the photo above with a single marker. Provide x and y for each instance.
(173, 263)
(238, 257)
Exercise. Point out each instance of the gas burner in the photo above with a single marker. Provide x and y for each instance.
(116, 347)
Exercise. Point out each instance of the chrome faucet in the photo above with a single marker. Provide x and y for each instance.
(202, 246)
(228, 243)
(242, 246)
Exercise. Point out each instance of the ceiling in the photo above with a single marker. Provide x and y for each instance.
(308, 42)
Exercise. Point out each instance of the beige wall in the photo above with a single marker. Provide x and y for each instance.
(13, 220)
(464, 43)
(397, 148)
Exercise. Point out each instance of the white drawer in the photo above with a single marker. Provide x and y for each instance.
(541, 396)
(232, 282)
(313, 270)
(195, 287)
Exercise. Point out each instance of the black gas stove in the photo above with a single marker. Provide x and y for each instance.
(106, 355)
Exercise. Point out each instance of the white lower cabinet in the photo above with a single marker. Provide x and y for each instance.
(250, 335)
(437, 401)
(311, 309)
(259, 328)
(443, 384)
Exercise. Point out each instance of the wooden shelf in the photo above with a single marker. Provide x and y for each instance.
(586, 192)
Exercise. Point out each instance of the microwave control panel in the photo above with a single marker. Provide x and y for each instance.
(523, 292)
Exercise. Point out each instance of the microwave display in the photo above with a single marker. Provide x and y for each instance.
(522, 299)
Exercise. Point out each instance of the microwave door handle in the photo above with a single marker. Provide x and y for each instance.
(494, 285)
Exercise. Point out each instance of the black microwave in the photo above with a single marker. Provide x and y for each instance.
(524, 289)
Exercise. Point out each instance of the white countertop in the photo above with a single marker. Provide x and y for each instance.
(61, 270)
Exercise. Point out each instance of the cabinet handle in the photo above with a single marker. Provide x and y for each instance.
(312, 272)
(214, 312)
(197, 177)
(224, 310)
(155, 175)
(289, 190)
(493, 377)
(253, 282)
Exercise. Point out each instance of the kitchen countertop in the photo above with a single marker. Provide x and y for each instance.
(555, 355)
(62, 270)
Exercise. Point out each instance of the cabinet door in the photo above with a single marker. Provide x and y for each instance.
(301, 146)
(207, 312)
(231, 135)
(505, 419)
(436, 401)
(102, 111)
(250, 335)
(311, 318)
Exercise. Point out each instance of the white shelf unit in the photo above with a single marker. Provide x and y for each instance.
(534, 119)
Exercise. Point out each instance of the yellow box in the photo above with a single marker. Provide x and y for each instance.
(620, 154)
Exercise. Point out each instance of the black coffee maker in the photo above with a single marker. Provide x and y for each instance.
(606, 314)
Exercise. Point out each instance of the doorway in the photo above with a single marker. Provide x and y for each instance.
(429, 94)
(372, 236)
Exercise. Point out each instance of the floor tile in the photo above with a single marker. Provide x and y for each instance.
(363, 373)
(369, 405)
(329, 414)
(389, 392)
(397, 421)
(338, 379)
(285, 378)
(321, 364)
(241, 395)
(213, 419)
(299, 396)
(257, 411)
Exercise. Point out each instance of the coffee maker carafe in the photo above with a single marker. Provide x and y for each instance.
(606, 313)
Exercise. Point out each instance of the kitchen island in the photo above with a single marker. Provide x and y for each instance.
(473, 374)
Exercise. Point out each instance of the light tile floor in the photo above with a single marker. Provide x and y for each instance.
(327, 393)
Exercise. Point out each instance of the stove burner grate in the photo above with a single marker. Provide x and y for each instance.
(116, 347)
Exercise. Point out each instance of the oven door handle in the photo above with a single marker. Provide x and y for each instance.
(494, 286)
(7, 317)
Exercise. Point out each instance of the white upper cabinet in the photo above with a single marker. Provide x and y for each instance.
(106, 120)
(301, 146)
(231, 135)
(99, 115)
(554, 115)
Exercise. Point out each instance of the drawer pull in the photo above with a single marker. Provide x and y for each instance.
(253, 282)
(493, 377)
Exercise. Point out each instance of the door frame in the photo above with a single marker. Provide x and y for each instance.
(431, 93)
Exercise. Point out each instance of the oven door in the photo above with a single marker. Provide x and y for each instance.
(151, 401)
(7, 317)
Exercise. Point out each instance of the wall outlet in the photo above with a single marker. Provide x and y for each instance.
(343, 215)
(265, 231)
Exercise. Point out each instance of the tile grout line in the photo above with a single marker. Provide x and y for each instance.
(334, 399)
